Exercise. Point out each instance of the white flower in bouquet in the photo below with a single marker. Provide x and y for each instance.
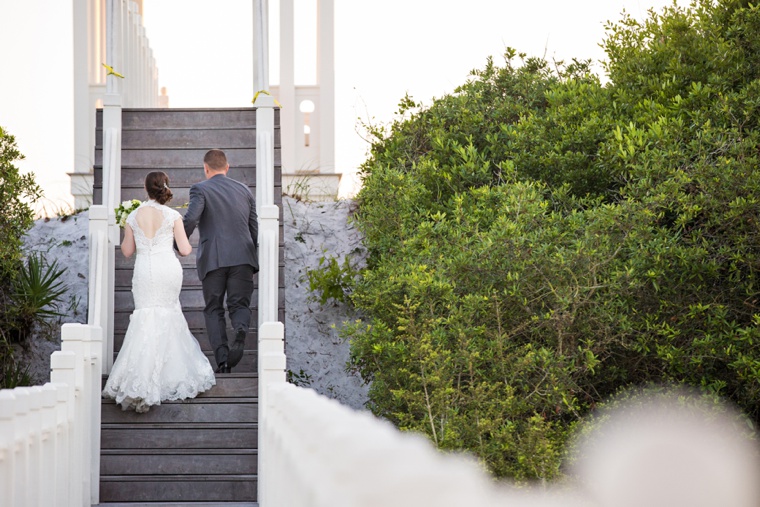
(123, 211)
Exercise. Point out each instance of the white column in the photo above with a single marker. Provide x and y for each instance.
(99, 284)
(82, 150)
(260, 45)
(326, 80)
(287, 94)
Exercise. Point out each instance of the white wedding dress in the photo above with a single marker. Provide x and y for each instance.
(160, 359)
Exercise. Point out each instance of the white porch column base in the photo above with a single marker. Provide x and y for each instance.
(81, 189)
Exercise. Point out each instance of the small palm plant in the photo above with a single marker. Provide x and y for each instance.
(38, 290)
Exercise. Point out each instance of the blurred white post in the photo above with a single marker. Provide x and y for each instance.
(8, 470)
(260, 45)
(63, 374)
(271, 372)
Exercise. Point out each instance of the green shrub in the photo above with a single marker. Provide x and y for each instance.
(17, 192)
(539, 240)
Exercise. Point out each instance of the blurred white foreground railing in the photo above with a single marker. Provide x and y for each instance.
(654, 453)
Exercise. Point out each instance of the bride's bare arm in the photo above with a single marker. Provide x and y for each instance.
(183, 244)
(128, 245)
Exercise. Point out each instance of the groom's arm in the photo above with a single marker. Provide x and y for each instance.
(194, 210)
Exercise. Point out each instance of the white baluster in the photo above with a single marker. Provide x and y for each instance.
(8, 465)
(21, 439)
(49, 435)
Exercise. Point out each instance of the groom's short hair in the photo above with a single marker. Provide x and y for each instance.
(215, 159)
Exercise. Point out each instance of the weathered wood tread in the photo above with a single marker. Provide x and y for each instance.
(181, 426)
(178, 478)
(201, 401)
(188, 452)
(177, 504)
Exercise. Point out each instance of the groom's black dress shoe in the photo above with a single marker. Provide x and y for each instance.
(236, 351)
(224, 368)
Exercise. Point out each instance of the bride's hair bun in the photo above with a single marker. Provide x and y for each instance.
(157, 186)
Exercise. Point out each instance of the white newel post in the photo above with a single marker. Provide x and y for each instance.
(112, 104)
(98, 290)
(63, 375)
(84, 341)
(271, 372)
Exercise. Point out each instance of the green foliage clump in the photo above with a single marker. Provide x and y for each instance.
(29, 290)
(331, 279)
(539, 240)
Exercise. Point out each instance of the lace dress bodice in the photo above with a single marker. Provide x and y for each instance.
(163, 240)
(157, 277)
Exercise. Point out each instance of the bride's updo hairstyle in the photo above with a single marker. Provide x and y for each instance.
(157, 186)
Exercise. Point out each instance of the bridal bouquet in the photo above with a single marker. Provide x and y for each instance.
(123, 211)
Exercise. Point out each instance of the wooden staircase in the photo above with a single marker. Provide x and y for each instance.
(203, 451)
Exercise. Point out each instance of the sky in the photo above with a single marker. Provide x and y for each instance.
(203, 49)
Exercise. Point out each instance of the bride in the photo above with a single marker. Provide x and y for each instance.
(160, 359)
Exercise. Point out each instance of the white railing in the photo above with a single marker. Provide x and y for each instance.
(50, 435)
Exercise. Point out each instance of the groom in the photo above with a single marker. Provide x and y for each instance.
(224, 211)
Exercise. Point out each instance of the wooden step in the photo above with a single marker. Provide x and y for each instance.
(196, 410)
(201, 335)
(243, 385)
(122, 262)
(178, 488)
(123, 280)
(178, 461)
(181, 177)
(248, 364)
(223, 138)
(222, 118)
(190, 298)
(179, 436)
(177, 504)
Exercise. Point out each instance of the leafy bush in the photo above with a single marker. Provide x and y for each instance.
(539, 240)
(17, 192)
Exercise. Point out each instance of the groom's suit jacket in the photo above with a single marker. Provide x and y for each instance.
(224, 211)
